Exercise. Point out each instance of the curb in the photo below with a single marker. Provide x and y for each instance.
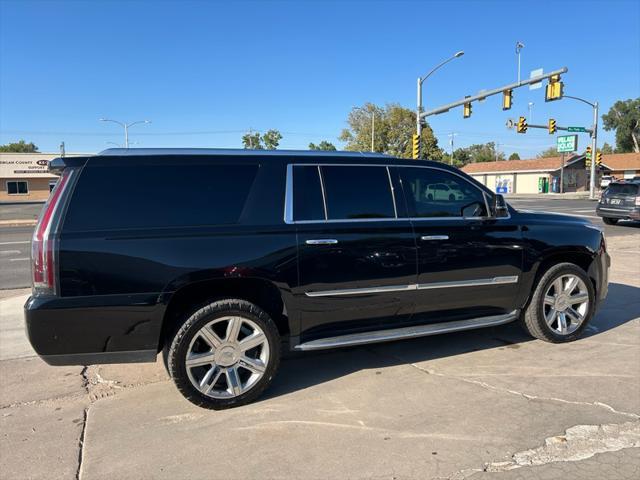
(18, 223)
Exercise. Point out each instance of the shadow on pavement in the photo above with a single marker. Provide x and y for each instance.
(302, 370)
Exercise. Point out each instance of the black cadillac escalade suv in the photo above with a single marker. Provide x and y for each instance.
(221, 258)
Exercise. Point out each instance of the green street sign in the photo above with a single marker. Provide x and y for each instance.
(576, 129)
(567, 143)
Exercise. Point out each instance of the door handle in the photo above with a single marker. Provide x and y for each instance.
(434, 237)
(322, 241)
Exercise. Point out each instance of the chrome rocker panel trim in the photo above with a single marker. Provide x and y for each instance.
(407, 332)
(422, 286)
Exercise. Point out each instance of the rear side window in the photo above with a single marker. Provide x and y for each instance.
(436, 193)
(622, 189)
(307, 193)
(357, 192)
(159, 196)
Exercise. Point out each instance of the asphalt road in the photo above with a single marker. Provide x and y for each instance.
(14, 241)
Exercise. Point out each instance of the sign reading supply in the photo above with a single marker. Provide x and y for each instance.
(567, 143)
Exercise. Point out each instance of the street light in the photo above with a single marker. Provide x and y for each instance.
(594, 143)
(421, 81)
(126, 127)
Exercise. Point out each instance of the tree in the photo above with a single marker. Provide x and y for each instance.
(484, 152)
(394, 126)
(549, 152)
(624, 118)
(606, 149)
(461, 157)
(323, 145)
(19, 147)
(514, 156)
(271, 139)
(268, 140)
(252, 140)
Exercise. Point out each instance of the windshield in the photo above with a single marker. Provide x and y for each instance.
(622, 189)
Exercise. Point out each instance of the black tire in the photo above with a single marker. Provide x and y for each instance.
(533, 321)
(179, 347)
(609, 220)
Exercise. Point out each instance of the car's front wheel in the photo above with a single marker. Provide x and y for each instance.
(609, 220)
(225, 354)
(562, 304)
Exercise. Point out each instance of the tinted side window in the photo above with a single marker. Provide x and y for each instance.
(357, 192)
(436, 193)
(165, 195)
(307, 194)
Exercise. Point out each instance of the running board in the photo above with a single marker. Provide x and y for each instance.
(407, 332)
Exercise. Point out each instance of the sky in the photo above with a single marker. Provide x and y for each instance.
(205, 72)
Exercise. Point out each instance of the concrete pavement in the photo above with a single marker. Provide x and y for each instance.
(484, 404)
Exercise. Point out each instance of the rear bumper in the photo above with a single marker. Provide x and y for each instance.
(91, 330)
(631, 213)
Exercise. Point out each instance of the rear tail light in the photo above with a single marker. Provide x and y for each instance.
(42, 244)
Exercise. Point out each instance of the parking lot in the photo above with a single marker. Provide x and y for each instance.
(482, 404)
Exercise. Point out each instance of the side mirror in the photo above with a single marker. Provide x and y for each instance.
(499, 206)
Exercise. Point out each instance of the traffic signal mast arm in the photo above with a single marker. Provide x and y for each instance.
(496, 91)
(566, 129)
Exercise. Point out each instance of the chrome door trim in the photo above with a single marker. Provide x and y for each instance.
(322, 241)
(469, 283)
(434, 237)
(407, 332)
(423, 286)
(288, 196)
(362, 291)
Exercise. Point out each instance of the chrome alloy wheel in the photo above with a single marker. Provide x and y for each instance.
(227, 357)
(566, 304)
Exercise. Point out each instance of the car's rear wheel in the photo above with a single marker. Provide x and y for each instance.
(609, 220)
(225, 354)
(562, 304)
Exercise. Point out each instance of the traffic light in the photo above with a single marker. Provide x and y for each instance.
(522, 125)
(555, 89)
(507, 99)
(587, 164)
(466, 112)
(553, 128)
(415, 146)
(598, 158)
(587, 153)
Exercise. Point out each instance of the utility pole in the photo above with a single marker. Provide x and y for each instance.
(452, 135)
(519, 47)
(62, 152)
(562, 173)
(373, 128)
(594, 144)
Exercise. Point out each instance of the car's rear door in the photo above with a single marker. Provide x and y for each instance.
(469, 265)
(357, 259)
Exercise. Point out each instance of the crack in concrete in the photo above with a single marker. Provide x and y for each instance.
(579, 442)
(85, 416)
(488, 386)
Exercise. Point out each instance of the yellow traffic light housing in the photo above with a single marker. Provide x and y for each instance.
(553, 128)
(466, 113)
(507, 99)
(554, 90)
(522, 125)
(599, 158)
(587, 153)
(415, 144)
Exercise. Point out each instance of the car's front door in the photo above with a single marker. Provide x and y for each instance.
(357, 259)
(469, 264)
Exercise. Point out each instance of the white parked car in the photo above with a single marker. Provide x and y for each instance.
(605, 181)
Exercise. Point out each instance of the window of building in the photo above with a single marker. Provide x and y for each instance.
(357, 192)
(307, 193)
(436, 193)
(18, 187)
